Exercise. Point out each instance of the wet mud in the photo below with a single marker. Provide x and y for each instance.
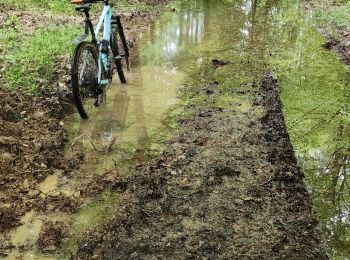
(51, 236)
(340, 46)
(228, 187)
(32, 142)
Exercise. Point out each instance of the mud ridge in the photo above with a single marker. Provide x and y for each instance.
(340, 46)
(288, 177)
(228, 187)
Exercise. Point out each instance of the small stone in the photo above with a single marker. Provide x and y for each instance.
(43, 165)
(247, 198)
(289, 174)
(6, 157)
(33, 193)
(238, 201)
(26, 184)
(61, 123)
(23, 113)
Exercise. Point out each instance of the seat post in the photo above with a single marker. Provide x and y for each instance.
(87, 21)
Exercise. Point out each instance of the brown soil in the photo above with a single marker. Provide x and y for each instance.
(228, 187)
(50, 238)
(8, 219)
(31, 146)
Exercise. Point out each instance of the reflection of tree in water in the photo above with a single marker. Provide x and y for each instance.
(142, 134)
(314, 109)
(176, 37)
(331, 191)
(327, 172)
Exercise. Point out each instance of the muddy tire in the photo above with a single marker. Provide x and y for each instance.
(84, 75)
(118, 50)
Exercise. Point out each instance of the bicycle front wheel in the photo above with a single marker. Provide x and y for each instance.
(85, 76)
(119, 48)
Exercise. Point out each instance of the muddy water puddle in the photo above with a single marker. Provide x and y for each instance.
(315, 92)
(130, 119)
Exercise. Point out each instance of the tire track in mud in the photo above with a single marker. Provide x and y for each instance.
(228, 187)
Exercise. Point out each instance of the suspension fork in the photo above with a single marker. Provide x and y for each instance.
(120, 29)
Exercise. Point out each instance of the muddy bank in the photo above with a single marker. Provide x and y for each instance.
(228, 186)
(340, 45)
(337, 38)
(31, 145)
(32, 140)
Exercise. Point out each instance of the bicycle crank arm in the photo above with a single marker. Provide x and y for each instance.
(104, 82)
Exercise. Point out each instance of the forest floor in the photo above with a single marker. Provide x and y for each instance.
(228, 184)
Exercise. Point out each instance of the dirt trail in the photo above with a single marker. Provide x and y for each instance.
(228, 187)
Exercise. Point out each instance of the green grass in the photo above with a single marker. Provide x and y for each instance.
(332, 14)
(36, 58)
(64, 6)
(55, 6)
(30, 56)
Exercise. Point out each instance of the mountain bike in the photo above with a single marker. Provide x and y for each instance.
(92, 68)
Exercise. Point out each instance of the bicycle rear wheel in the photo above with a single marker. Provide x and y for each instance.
(84, 72)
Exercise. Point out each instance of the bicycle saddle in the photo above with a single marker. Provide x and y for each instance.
(83, 8)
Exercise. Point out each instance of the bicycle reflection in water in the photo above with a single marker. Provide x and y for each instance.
(132, 112)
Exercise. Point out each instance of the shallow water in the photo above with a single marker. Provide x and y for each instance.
(255, 36)
(49, 184)
(315, 93)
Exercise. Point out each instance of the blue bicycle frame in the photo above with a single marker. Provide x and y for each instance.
(105, 19)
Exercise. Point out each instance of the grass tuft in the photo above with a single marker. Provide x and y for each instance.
(36, 58)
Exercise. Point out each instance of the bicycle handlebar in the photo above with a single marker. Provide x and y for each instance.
(82, 2)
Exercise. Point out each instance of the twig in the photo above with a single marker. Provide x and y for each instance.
(270, 179)
(33, 171)
(93, 145)
(111, 144)
(76, 139)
